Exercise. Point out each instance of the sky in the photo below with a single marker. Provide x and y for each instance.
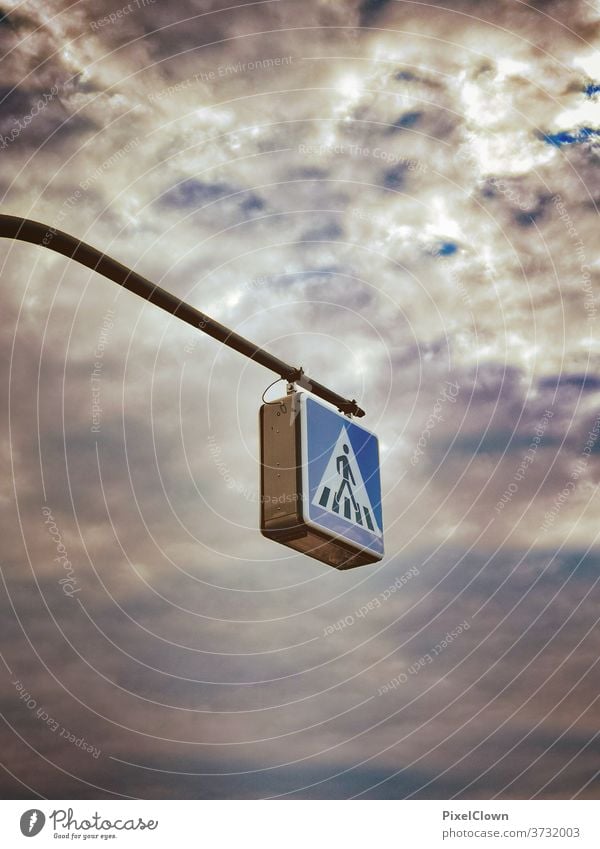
(402, 198)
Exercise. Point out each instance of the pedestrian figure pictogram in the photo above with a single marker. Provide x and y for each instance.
(342, 491)
(343, 467)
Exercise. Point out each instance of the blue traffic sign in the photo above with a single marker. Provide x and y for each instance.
(341, 485)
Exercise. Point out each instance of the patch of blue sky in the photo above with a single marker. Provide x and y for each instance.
(573, 137)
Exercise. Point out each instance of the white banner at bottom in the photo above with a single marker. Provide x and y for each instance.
(302, 823)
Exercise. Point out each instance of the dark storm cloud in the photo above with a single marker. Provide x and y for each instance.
(39, 117)
(327, 232)
(393, 178)
(588, 382)
(195, 193)
(369, 10)
(563, 19)
(409, 119)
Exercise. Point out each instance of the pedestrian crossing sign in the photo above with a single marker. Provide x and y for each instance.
(342, 491)
(319, 482)
(341, 484)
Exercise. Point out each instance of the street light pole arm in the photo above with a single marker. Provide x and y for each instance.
(25, 230)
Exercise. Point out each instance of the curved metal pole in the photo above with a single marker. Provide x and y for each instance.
(25, 230)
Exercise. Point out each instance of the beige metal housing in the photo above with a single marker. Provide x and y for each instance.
(281, 514)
